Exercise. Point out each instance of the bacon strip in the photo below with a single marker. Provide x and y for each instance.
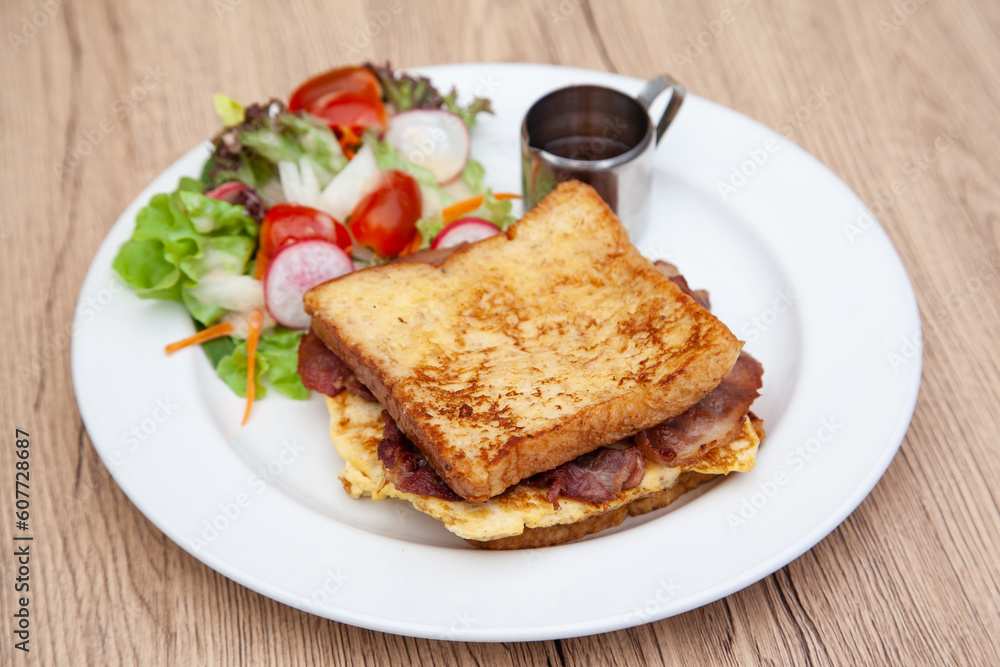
(596, 477)
(433, 256)
(323, 371)
(406, 467)
(670, 271)
(686, 438)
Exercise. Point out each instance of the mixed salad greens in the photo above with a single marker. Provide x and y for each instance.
(362, 165)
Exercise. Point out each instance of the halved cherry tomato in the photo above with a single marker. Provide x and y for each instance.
(350, 110)
(287, 223)
(354, 88)
(386, 219)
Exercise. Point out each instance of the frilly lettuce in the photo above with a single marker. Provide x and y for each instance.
(178, 238)
(495, 210)
(250, 150)
(411, 91)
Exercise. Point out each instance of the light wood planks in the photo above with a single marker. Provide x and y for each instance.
(912, 577)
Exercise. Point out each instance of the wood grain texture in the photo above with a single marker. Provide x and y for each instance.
(912, 577)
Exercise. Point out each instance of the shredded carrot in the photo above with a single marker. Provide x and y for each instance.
(413, 245)
(211, 333)
(458, 209)
(261, 267)
(256, 323)
(348, 140)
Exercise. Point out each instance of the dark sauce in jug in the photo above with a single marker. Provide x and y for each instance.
(582, 147)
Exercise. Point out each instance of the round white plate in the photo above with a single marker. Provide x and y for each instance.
(795, 265)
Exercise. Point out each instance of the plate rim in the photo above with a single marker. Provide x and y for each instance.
(551, 631)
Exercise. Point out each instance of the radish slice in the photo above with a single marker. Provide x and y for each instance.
(432, 138)
(293, 271)
(464, 230)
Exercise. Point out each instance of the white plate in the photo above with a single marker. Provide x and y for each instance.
(795, 265)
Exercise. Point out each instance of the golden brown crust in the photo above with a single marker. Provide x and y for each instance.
(527, 349)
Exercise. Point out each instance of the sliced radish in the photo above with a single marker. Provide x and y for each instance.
(293, 271)
(464, 230)
(432, 138)
(358, 179)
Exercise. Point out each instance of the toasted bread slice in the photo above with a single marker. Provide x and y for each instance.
(526, 349)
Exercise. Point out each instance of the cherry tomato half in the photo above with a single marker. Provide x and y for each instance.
(349, 109)
(346, 96)
(287, 223)
(386, 219)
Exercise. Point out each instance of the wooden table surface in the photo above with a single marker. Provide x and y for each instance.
(904, 100)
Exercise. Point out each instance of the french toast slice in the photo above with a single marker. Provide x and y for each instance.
(527, 349)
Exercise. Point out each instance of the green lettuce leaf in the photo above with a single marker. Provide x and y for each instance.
(178, 238)
(277, 362)
(495, 210)
(467, 113)
(429, 227)
(474, 177)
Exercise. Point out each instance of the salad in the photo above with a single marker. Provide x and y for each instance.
(362, 165)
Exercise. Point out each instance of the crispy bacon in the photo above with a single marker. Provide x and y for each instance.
(686, 438)
(406, 467)
(596, 477)
(435, 256)
(323, 371)
(670, 271)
